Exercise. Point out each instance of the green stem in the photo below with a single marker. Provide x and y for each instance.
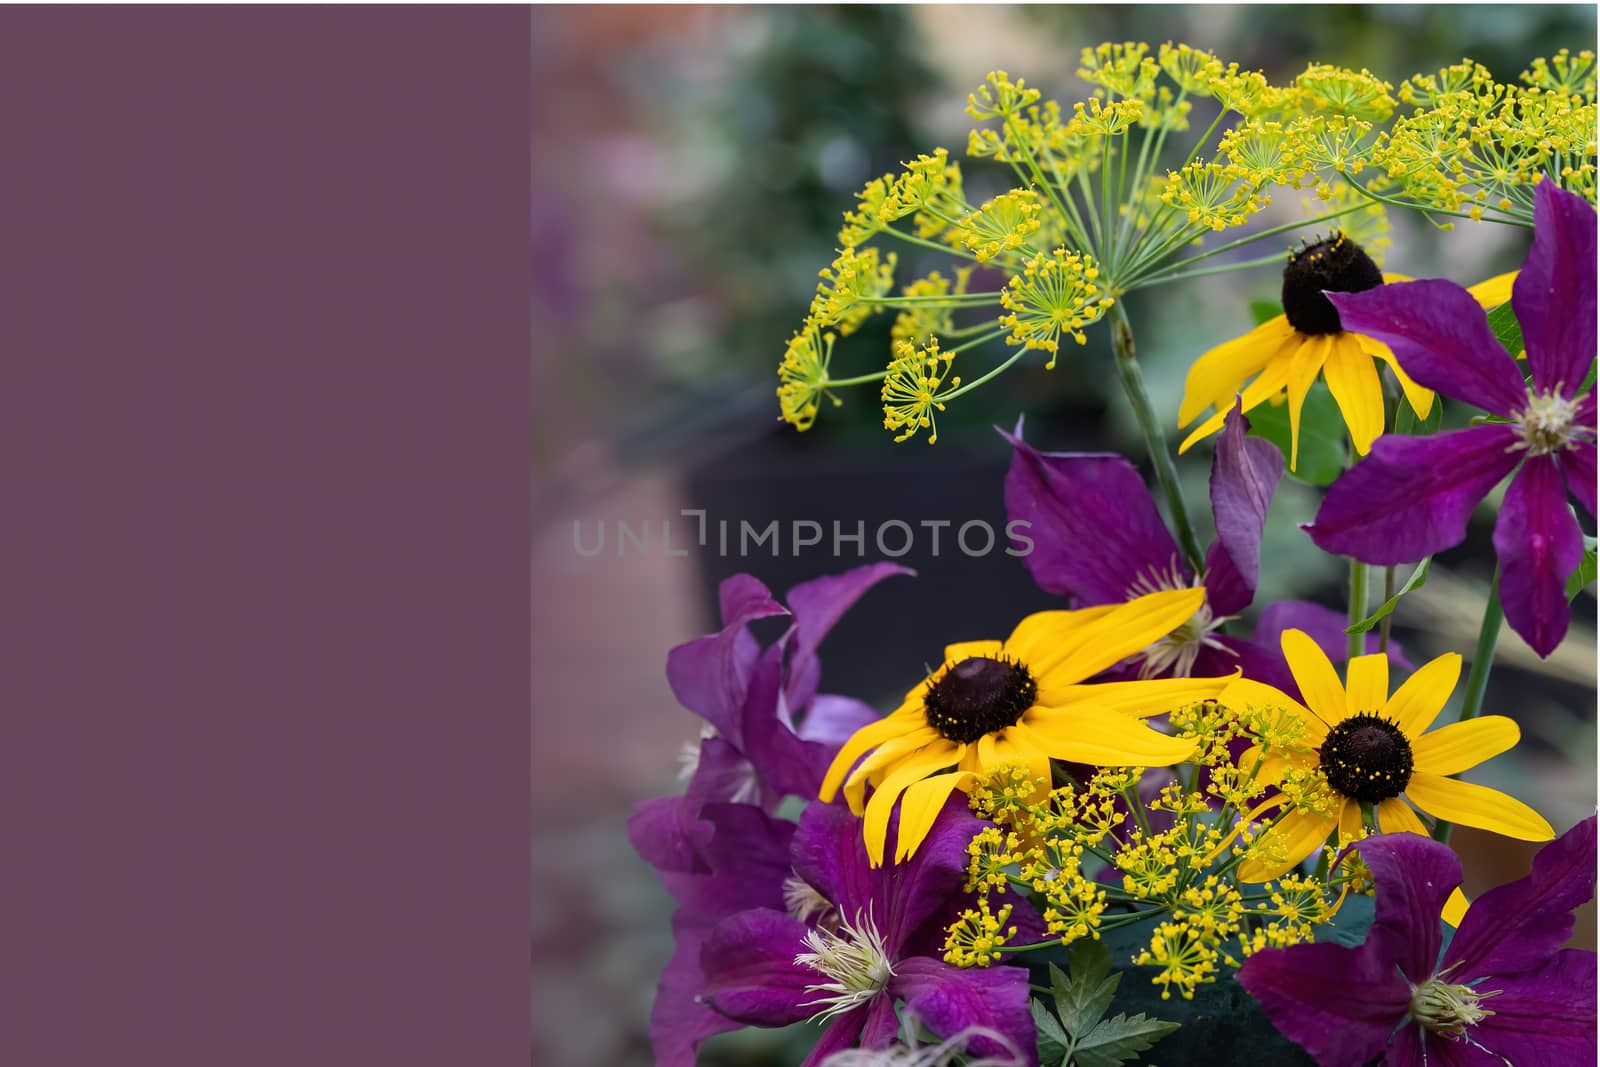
(1356, 643)
(863, 379)
(1388, 595)
(1425, 210)
(909, 238)
(1155, 442)
(1249, 264)
(1478, 675)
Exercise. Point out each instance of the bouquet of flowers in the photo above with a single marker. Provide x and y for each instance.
(1127, 826)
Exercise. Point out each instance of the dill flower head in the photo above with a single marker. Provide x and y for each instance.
(803, 374)
(1056, 293)
(848, 286)
(911, 391)
(1346, 92)
(1006, 223)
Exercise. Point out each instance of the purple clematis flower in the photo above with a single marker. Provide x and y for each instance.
(1099, 539)
(752, 749)
(1505, 991)
(1412, 496)
(856, 939)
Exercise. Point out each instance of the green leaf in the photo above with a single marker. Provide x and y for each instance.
(1415, 582)
(1506, 328)
(1083, 999)
(1262, 310)
(1585, 572)
(1406, 421)
(1120, 1039)
(1054, 1044)
(1322, 448)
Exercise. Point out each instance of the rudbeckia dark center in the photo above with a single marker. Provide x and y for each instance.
(1367, 757)
(979, 696)
(1335, 263)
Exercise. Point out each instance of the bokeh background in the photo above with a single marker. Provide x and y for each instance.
(690, 167)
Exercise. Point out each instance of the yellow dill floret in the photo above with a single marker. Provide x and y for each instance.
(1336, 142)
(1149, 866)
(1050, 865)
(1306, 789)
(1056, 293)
(1000, 97)
(1299, 900)
(1278, 729)
(1262, 153)
(1165, 112)
(848, 286)
(924, 184)
(1428, 90)
(803, 374)
(1074, 907)
(1192, 69)
(990, 855)
(917, 323)
(1186, 955)
(1213, 195)
(975, 939)
(1091, 117)
(911, 389)
(1003, 224)
(1124, 69)
(866, 221)
(1563, 73)
(1360, 94)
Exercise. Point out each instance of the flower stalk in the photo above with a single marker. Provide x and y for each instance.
(1478, 674)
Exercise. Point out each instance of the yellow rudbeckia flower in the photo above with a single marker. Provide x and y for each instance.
(1022, 700)
(1373, 748)
(1288, 352)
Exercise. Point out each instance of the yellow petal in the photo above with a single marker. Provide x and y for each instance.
(1455, 909)
(1396, 817)
(1421, 399)
(920, 806)
(972, 650)
(1242, 694)
(1298, 835)
(871, 769)
(1141, 698)
(1353, 380)
(1349, 822)
(1062, 647)
(914, 768)
(1454, 748)
(1367, 684)
(1084, 736)
(1221, 372)
(1422, 696)
(869, 736)
(1304, 367)
(1492, 292)
(1274, 376)
(1476, 805)
(1314, 673)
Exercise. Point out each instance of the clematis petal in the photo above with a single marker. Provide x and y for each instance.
(1318, 681)
(1476, 805)
(1413, 876)
(1420, 399)
(1339, 1004)
(1218, 374)
(1304, 366)
(1462, 745)
(1554, 296)
(1272, 380)
(1517, 926)
(1292, 838)
(1412, 496)
(1102, 740)
(950, 999)
(1354, 382)
(1422, 696)
(1578, 464)
(1441, 337)
(1095, 529)
(679, 1022)
(1539, 544)
(832, 719)
(750, 969)
(1062, 647)
(1366, 684)
(1244, 474)
(710, 674)
(904, 721)
(1396, 817)
(1547, 1018)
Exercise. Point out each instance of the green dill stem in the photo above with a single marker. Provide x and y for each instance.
(1355, 644)
(976, 341)
(1250, 264)
(1482, 217)
(1135, 806)
(991, 374)
(1388, 595)
(962, 299)
(1050, 191)
(1155, 443)
(863, 379)
(1478, 675)
(910, 238)
(1237, 243)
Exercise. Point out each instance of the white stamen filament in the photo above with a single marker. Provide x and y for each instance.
(1547, 423)
(855, 960)
(802, 900)
(1177, 651)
